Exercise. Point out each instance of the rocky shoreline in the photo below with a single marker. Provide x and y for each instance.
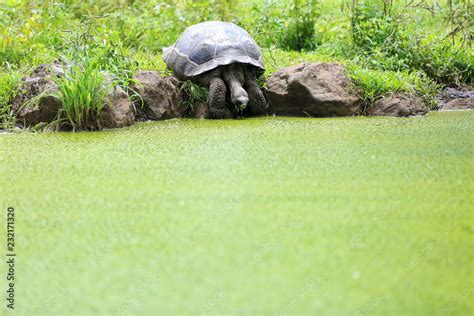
(308, 89)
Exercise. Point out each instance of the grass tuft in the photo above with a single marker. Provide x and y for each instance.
(372, 84)
(8, 91)
(193, 93)
(82, 92)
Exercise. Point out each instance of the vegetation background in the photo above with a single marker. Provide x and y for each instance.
(274, 215)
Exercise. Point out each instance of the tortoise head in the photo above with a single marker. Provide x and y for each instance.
(234, 78)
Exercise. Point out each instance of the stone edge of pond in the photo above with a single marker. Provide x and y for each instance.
(305, 90)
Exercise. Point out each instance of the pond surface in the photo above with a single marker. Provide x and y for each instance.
(260, 216)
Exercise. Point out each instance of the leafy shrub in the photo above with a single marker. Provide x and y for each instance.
(435, 57)
(265, 22)
(385, 44)
(107, 55)
(440, 60)
(299, 33)
(426, 88)
(371, 26)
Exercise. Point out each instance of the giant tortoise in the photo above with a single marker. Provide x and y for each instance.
(221, 56)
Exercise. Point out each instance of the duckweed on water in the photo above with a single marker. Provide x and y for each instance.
(258, 216)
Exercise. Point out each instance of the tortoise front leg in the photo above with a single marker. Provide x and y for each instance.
(216, 99)
(257, 103)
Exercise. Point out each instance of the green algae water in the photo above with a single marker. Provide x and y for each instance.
(343, 216)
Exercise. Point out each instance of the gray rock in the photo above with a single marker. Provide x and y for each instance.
(36, 101)
(455, 93)
(201, 110)
(160, 94)
(398, 104)
(460, 98)
(317, 89)
(118, 109)
(460, 104)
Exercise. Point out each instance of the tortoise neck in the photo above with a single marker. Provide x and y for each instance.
(233, 83)
(234, 78)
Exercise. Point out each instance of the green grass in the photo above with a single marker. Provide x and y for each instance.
(373, 84)
(193, 93)
(8, 91)
(349, 216)
(82, 91)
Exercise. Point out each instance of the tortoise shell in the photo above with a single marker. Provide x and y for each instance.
(208, 45)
